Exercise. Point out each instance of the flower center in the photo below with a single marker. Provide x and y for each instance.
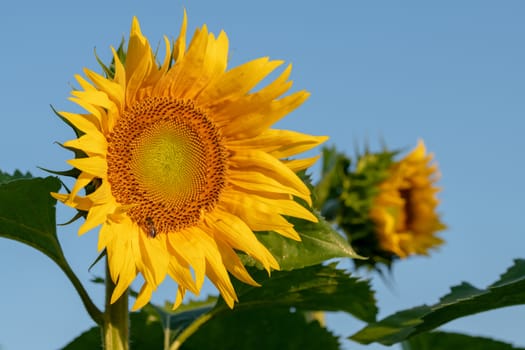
(166, 160)
(407, 211)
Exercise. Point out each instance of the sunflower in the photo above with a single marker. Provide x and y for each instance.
(404, 211)
(186, 164)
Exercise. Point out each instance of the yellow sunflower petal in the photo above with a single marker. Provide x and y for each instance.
(297, 165)
(102, 195)
(249, 104)
(86, 85)
(82, 181)
(238, 235)
(95, 165)
(215, 268)
(144, 296)
(180, 44)
(234, 264)
(261, 203)
(121, 266)
(81, 122)
(106, 235)
(95, 98)
(91, 143)
(250, 125)
(188, 245)
(238, 81)
(155, 258)
(96, 216)
(179, 270)
(126, 276)
(187, 72)
(181, 291)
(77, 202)
(139, 55)
(254, 160)
(136, 80)
(120, 72)
(280, 143)
(256, 181)
(257, 221)
(112, 89)
(119, 250)
(219, 276)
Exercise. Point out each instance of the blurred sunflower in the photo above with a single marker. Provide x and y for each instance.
(186, 164)
(404, 210)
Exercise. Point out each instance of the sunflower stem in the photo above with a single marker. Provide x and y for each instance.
(91, 308)
(115, 330)
(188, 332)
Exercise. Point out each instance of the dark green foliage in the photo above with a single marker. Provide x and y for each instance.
(323, 288)
(17, 175)
(463, 300)
(273, 328)
(145, 334)
(448, 341)
(27, 214)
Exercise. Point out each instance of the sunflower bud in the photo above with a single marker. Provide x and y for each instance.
(385, 207)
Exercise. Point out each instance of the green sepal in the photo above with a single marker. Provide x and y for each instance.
(99, 257)
(78, 153)
(80, 214)
(463, 300)
(77, 131)
(345, 197)
(73, 172)
(121, 54)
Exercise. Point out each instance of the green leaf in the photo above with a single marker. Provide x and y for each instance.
(313, 288)
(274, 328)
(446, 341)
(89, 340)
(320, 288)
(27, 215)
(5, 177)
(319, 242)
(463, 300)
(145, 334)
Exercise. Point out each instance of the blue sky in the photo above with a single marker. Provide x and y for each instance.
(451, 73)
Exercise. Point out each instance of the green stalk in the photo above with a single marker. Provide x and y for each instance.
(91, 308)
(186, 333)
(115, 330)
